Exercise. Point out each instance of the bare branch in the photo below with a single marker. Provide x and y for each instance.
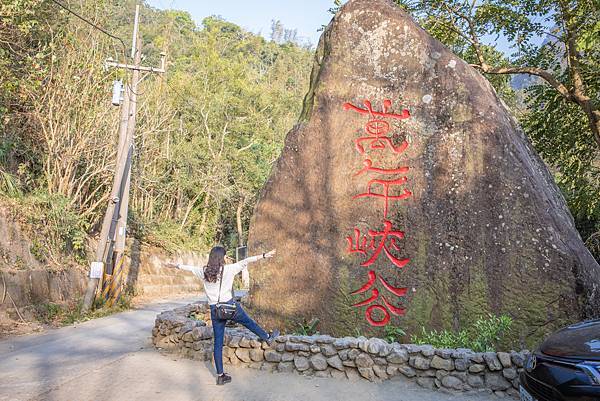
(545, 75)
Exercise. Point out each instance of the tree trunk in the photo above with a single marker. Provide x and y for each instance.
(240, 229)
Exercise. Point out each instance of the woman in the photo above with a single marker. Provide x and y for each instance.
(218, 290)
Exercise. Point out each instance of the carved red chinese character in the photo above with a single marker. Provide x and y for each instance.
(377, 128)
(358, 244)
(398, 311)
(369, 167)
(387, 103)
(387, 242)
(386, 184)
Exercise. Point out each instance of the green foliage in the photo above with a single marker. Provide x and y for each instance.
(560, 133)
(483, 336)
(393, 333)
(62, 314)
(64, 228)
(9, 185)
(48, 312)
(55, 227)
(337, 5)
(308, 328)
(487, 333)
(559, 37)
(450, 30)
(234, 96)
(207, 135)
(593, 244)
(442, 339)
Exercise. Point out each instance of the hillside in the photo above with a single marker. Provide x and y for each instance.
(206, 135)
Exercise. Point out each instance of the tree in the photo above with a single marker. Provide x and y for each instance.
(232, 97)
(207, 132)
(280, 34)
(573, 25)
(277, 31)
(559, 131)
(557, 44)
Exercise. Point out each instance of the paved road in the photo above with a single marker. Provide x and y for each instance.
(112, 359)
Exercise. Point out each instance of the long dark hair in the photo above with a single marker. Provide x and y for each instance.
(216, 259)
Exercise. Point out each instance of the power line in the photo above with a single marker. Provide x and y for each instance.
(92, 24)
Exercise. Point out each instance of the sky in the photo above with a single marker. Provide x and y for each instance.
(307, 16)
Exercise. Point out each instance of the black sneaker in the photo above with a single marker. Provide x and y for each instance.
(223, 379)
(274, 334)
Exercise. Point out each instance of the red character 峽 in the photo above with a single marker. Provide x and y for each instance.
(387, 242)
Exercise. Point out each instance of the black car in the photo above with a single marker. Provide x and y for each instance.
(566, 367)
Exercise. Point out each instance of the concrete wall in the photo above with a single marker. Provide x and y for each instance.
(150, 278)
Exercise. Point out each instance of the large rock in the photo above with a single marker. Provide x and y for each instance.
(318, 362)
(485, 227)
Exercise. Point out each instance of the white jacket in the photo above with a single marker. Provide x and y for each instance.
(229, 272)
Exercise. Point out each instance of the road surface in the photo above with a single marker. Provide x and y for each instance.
(112, 358)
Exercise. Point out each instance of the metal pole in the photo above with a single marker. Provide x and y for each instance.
(124, 154)
(105, 241)
(124, 210)
(112, 237)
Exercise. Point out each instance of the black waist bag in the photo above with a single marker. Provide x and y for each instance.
(224, 311)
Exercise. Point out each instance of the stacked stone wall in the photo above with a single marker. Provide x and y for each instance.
(354, 358)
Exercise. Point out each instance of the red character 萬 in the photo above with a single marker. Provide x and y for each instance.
(377, 128)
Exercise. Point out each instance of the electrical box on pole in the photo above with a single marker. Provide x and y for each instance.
(117, 95)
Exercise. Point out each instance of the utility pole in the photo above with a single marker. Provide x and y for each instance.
(111, 246)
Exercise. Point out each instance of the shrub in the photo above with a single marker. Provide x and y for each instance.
(308, 328)
(54, 224)
(393, 333)
(442, 339)
(482, 336)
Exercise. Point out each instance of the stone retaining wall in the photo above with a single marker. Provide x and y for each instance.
(449, 370)
(149, 276)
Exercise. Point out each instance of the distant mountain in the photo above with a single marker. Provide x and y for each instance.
(522, 81)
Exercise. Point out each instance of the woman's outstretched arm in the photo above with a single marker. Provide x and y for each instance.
(266, 255)
(242, 264)
(197, 270)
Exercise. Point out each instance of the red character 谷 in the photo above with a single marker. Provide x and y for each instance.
(398, 311)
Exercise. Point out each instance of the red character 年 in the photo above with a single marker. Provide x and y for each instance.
(358, 245)
(385, 184)
(398, 311)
